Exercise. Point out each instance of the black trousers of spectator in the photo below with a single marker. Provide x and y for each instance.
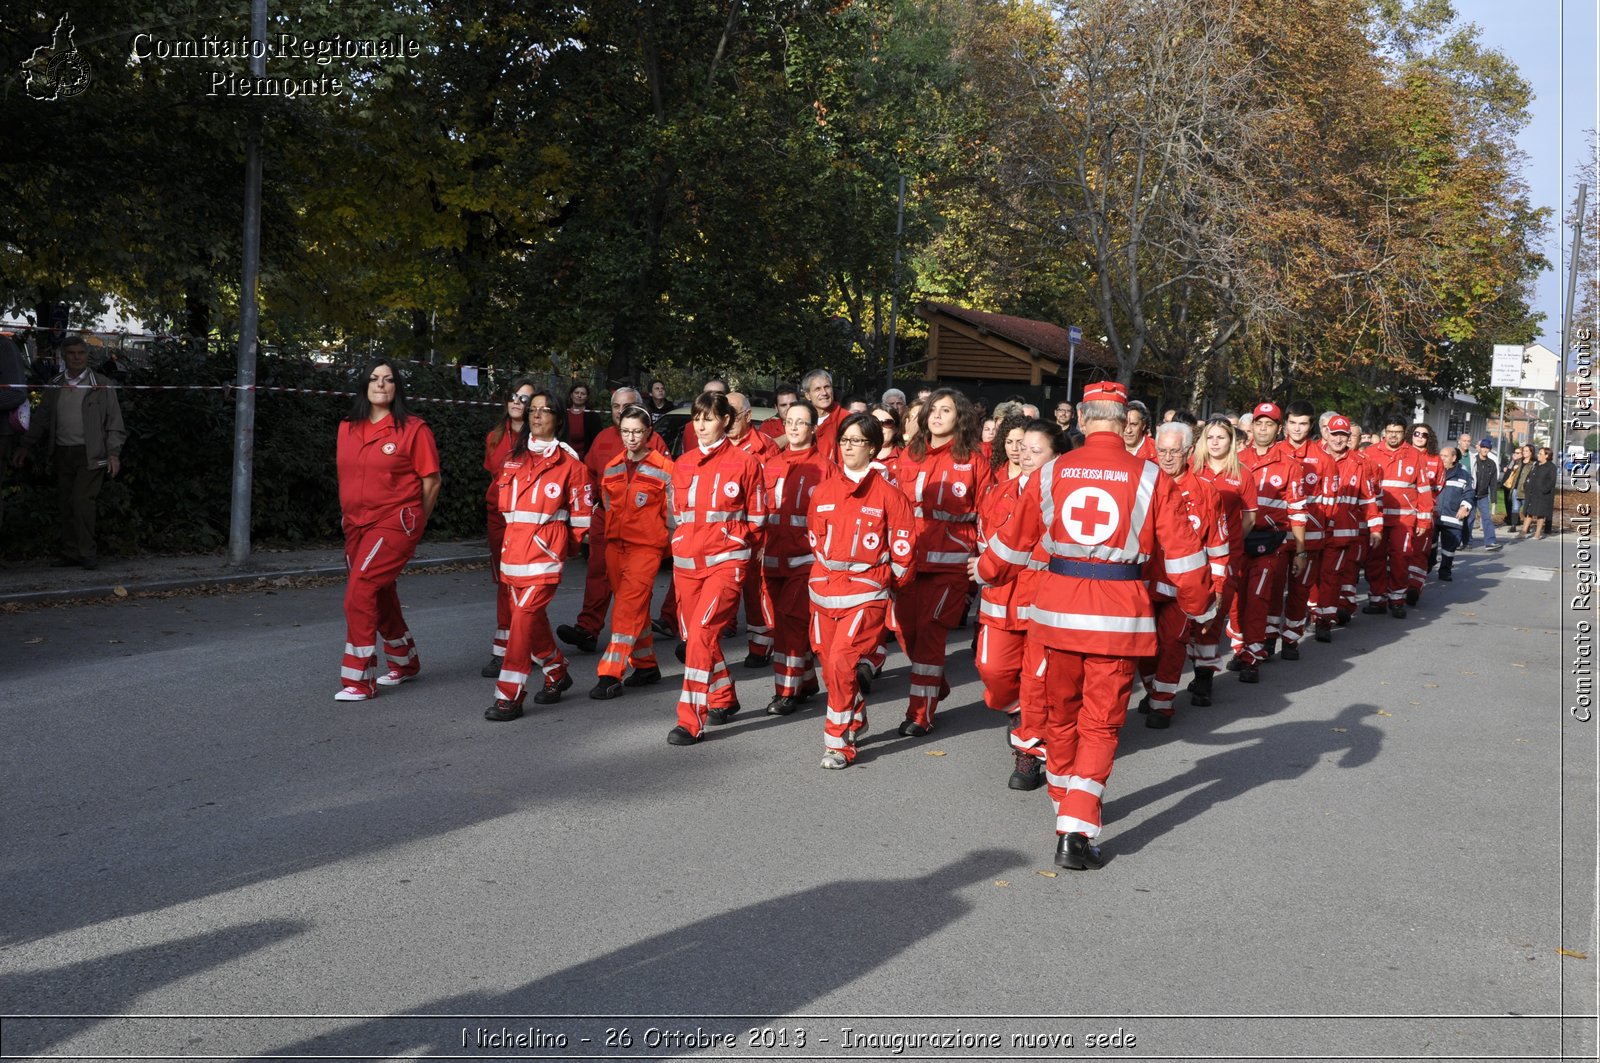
(77, 494)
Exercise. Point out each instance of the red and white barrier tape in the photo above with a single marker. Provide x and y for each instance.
(229, 388)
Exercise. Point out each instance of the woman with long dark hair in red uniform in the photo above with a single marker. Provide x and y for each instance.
(496, 448)
(546, 497)
(719, 505)
(943, 473)
(388, 484)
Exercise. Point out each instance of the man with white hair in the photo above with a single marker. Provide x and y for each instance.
(816, 387)
(895, 399)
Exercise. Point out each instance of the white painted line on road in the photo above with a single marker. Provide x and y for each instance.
(1539, 575)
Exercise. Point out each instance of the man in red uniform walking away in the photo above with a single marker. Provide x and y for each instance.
(944, 475)
(546, 496)
(860, 529)
(1174, 443)
(757, 612)
(634, 494)
(1400, 474)
(1315, 467)
(791, 477)
(1101, 513)
(584, 633)
(1280, 514)
(1353, 517)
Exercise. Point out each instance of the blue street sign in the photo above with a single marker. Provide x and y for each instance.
(1074, 334)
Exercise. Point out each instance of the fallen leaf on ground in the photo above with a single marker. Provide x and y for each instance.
(1431, 686)
(120, 592)
(115, 642)
(33, 642)
(1342, 730)
(1001, 882)
(1574, 953)
(1469, 673)
(1384, 712)
(1519, 664)
(1046, 874)
(936, 753)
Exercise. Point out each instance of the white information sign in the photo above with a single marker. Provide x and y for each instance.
(1506, 369)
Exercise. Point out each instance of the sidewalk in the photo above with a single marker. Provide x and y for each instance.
(35, 581)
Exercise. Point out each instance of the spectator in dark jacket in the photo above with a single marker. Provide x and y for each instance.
(1485, 478)
(1540, 491)
(1452, 507)
(13, 405)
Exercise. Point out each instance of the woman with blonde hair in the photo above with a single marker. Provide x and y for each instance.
(1216, 461)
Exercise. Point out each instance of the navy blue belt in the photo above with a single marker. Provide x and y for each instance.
(1113, 570)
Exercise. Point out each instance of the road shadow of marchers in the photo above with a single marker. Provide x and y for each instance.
(1279, 752)
(109, 985)
(769, 959)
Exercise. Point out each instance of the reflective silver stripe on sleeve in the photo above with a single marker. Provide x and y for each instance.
(1005, 553)
(951, 558)
(1187, 563)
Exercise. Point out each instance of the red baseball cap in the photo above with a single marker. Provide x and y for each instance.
(1269, 411)
(1105, 391)
(1338, 423)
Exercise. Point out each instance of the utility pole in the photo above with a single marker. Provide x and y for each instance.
(244, 417)
(894, 293)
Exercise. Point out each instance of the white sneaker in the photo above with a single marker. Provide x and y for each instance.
(834, 759)
(352, 694)
(394, 677)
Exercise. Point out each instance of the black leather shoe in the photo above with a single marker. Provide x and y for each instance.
(1249, 674)
(781, 705)
(731, 631)
(1290, 651)
(1397, 611)
(551, 692)
(1158, 721)
(1028, 773)
(1271, 649)
(491, 668)
(755, 660)
(1200, 688)
(1234, 663)
(1375, 607)
(606, 688)
(680, 653)
(1444, 574)
(864, 676)
(912, 729)
(1343, 617)
(663, 629)
(576, 636)
(680, 736)
(1413, 595)
(1075, 853)
(806, 694)
(1144, 705)
(501, 711)
(1323, 633)
(643, 677)
(721, 716)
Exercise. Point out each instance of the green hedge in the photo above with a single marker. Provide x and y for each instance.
(174, 491)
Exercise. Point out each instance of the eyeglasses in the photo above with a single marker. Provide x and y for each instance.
(796, 422)
(885, 421)
(541, 410)
(851, 441)
(1171, 452)
(1415, 435)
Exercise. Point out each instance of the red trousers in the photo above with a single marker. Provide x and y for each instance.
(1297, 598)
(1027, 734)
(375, 556)
(1388, 566)
(632, 573)
(502, 589)
(1417, 563)
(708, 600)
(597, 589)
(928, 610)
(1261, 575)
(999, 660)
(1335, 580)
(1087, 705)
(840, 638)
(758, 610)
(1206, 649)
(1162, 672)
(531, 642)
(789, 601)
(1363, 551)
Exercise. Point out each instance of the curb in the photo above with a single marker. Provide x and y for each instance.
(109, 590)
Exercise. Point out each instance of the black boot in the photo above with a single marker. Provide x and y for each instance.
(1200, 688)
(1075, 853)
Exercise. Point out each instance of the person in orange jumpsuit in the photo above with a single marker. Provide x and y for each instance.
(861, 531)
(388, 467)
(1101, 513)
(1218, 465)
(496, 448)
(546, 497)
(791, 477)
(1354, 521)
(888, 418)
(943, 473)
(1430, 483)
(635, 495)
(1401, 475)
(1002, 618)
(758, 618)
(1281, 504)
(720, 510)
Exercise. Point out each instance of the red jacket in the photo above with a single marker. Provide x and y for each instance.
(546, 498)
(381, 467)
(494, 456)
(1354, 490)
(1005, 605)
(636, 498)
(1280, 494)
(719, 505)
(1401, 473)
(827, 440)
(861, 536)
(772, 428)
(944, 494)
(1316, 465)
(1237, 496)
(1100, 513)
(790, 479)
(1432, 482)
(756, 445)
(1202, 507)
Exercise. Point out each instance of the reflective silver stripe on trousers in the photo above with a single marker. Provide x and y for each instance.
(535, 518)
(537, 568)
(848, 601)
(1092, 622)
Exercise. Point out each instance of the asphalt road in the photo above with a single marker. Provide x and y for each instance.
(1400, 824)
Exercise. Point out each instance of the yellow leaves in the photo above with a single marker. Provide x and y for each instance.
(34, 642)
(1573, 954)
(937, 753)
(1431, 686)
(120, 591)
(1047, 874)
(1001, 882)
(1384, 712)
